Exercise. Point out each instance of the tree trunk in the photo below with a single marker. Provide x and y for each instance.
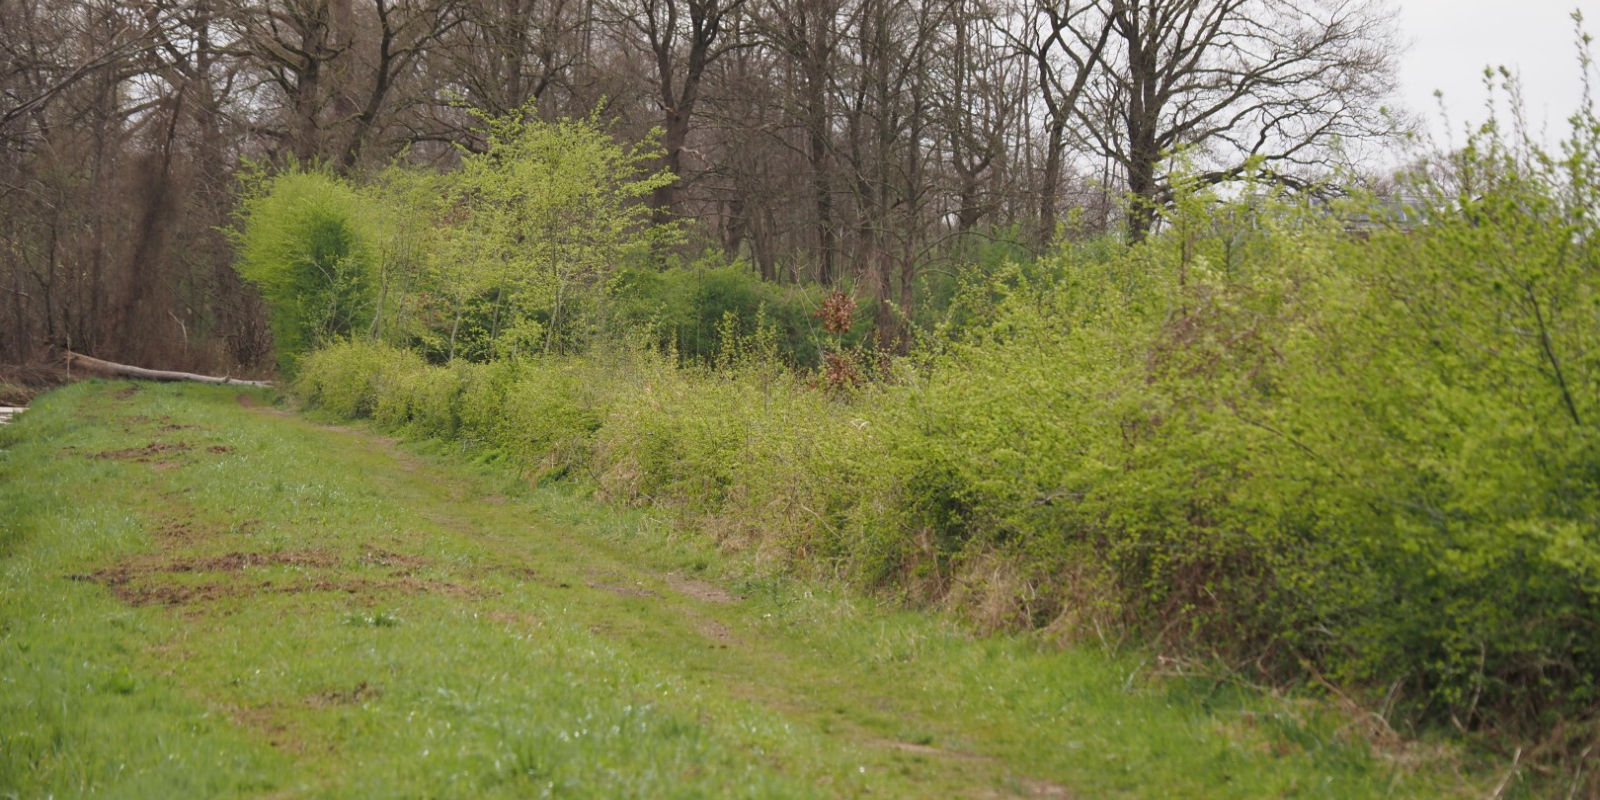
(1050, 183)
(139, 373)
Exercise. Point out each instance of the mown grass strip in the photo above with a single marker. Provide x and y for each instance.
(205, 597)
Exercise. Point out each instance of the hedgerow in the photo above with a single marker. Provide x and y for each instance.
(1256, 437)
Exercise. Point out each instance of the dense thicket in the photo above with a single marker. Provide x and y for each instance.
(1256, 436)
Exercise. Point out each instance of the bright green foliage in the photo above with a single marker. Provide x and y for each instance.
(1255, 436)
(512, 254)
(532, 230)
(303, 242)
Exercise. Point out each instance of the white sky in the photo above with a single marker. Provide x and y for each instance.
(1451, 41)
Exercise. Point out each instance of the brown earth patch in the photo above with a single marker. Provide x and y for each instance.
(700, 590)
(264, 721)
(177, 531)
(127, 391)
(625, 591)
(226, 562)
(360, 693)
(144, 454)
(233, 562)
(141, 593)
(137, 581)
(721, 636)
(219, 449)
(386, 558)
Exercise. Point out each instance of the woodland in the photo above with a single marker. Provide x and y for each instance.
(1089, 318)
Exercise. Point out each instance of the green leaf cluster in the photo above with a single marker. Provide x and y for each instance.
(513, 253)
(304, 243)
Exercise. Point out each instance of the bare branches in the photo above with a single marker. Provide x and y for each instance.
(1235, 80)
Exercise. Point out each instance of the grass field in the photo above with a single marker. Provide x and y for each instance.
(204, 596)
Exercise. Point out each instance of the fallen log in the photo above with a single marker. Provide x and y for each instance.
(140, 373)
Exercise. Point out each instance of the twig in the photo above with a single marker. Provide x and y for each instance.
(1509, 775)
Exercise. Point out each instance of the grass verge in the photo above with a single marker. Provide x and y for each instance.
(203, 596)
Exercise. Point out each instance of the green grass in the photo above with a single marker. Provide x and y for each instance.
(203, 599)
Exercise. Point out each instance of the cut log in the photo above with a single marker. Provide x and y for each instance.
(140, 373)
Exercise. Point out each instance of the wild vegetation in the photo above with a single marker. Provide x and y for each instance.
(1357, 460)
(259, 605)
(819, 284)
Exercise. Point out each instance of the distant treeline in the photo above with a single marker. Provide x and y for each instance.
(871, 143)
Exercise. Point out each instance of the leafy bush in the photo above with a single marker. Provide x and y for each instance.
(684, 308)
(303, 242)
(532, 230)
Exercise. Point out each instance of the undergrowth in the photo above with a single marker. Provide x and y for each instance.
(1364, 461)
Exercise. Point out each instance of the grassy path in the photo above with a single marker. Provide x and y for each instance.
(203, 597)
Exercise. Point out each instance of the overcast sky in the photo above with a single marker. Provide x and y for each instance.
(1453, 40)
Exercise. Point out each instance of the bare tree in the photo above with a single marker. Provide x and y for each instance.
(1063, 44)
(1245, 84)
(335, 65)
(808, 34)
(683, 38)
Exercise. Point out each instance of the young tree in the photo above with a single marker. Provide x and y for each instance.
(535, 223)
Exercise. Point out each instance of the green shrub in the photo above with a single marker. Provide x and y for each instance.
(530, 234)
(303, 242)
(684, 307)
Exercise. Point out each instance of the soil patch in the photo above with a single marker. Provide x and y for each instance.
(139, 592)
(234, 562)
(264, 720)
(174, 531)
(360, 693)
(700, 590)
(137, 581)
(626, 591)
(385, 558)
(122, 578)
(144, 454)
